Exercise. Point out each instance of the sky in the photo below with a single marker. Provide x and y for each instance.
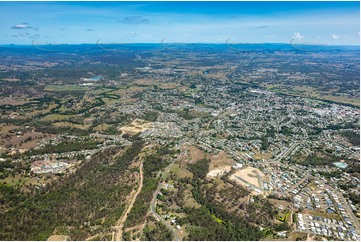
(329, 23)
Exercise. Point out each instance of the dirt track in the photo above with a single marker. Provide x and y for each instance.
(120, 224)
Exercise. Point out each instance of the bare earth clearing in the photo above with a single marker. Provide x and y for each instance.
(249, 174)
(135, 127)
(220, 164)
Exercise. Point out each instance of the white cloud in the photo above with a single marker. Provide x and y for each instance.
(23, 26)
(20, 26)
(297, 35)
(335, 36)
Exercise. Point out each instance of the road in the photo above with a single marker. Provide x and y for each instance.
(159, 218)
(346, 206)
(154, 203)
(294, 186)
(154, 200)
(286, 152)
(120, 224)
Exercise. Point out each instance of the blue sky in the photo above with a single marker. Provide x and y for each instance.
(330, 23)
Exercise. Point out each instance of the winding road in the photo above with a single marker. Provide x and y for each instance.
(154, 200)
(154, 204)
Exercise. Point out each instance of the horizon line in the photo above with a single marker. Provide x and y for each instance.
(189, 43)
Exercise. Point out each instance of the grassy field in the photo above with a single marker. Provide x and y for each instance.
(101, 127)
(111, 101)
(14, 181)
(42, 111)
(261, 155)
(189, 201)
(181, 172)
(98, 91)
(58, 117)
(72, 125)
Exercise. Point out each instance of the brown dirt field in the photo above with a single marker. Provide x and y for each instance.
(30, 144)
(244, 174)
(58, 238)
(276, 202)
(260, 156)
(194, 154)
(293, 236)
(220, 160)
(135, 127)
(4, 129)
(15, 141)
(219, 171)
(13, 101)
(128, 100)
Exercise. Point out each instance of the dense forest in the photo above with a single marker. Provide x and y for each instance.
(65, 146)
(93, 195)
